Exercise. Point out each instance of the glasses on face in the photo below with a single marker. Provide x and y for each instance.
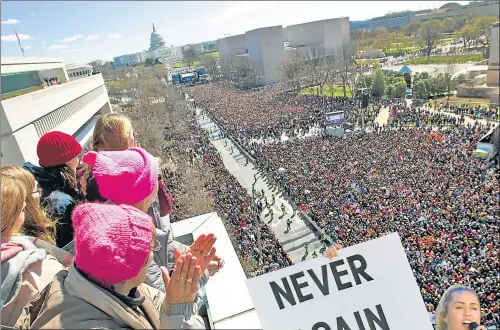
(37, 192)
(156, 245)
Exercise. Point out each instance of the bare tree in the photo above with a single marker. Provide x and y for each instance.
(354, 78)
(211, 65)
(345, 61)
(246, 72)
(333, 73)
(291, 70)
(429, 33)
(448, 74)
(317, 67)
(190, 55)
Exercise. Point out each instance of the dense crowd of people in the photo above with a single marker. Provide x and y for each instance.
(87, 243)
(475, 111)
(422, 183)
(268, 112)
(239, 211)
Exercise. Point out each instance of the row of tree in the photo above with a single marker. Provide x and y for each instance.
(318, 67)
(160, 119)
(426, 34)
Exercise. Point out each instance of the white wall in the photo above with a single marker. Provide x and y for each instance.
(20, 115)
(24, 109)
(336, 32)
(232, 45)
(273, 53)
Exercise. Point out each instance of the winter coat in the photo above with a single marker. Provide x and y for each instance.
(159, 212)
(73, 301)
(59, 199)
(27, 268)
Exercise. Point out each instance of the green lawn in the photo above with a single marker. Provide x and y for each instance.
(326, 91)
(447, 59)
(179, 65)
(115, 83)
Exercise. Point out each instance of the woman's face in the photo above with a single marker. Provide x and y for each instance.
(19, 221)
(73, 164)
(463, 309)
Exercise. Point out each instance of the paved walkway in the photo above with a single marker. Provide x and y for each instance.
(234, 161)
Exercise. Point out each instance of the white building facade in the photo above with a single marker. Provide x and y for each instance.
(28, 112)
(77, 71)
(266, 46)
(157, 50)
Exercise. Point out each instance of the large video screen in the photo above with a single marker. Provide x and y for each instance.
(335, 118)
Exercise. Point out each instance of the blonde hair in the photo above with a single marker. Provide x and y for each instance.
(13, 195)
(36, 223)
(111, 133)
(444, 303)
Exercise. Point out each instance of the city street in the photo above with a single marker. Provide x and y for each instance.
(300, 233)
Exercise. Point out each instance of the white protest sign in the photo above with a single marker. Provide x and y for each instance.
(369, 286)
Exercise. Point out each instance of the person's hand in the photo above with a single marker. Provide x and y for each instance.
(202, 248)
(182, 286)
(332, 251)
(215, 265)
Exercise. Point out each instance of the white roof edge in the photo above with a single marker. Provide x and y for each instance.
(230, 304)
(29, 60)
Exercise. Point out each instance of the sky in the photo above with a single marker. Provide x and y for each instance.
(80, 31)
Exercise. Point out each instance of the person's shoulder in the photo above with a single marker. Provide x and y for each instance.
(61, 198)
(42, 272)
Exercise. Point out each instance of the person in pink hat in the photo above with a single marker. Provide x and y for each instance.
(104, 286)
(131, 177)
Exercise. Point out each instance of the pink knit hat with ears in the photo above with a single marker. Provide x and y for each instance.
(112, 242)
(125, 177)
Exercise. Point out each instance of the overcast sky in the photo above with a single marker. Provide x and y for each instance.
(84, 31)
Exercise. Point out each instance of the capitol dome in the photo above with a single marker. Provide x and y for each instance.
(156, 41)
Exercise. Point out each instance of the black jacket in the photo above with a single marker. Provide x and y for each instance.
(58, 199)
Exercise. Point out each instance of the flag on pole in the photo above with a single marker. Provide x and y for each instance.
(19, 41)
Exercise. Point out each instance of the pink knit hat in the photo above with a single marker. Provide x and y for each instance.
(112, 242)
(125, 177)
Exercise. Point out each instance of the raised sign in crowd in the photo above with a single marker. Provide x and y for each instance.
(86, 241)
(405, 177)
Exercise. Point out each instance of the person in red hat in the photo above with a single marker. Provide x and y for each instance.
(58, 159)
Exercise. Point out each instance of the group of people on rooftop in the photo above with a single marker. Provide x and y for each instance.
(90, 246)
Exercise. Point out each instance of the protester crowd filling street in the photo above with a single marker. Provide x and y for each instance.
(239, 211)
(410, 178)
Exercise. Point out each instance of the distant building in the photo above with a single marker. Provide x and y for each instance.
(157, 50)
(267, 47)
(32, 105)
(77, 71)
(128, 59)
(391, 20)
(474, 8)
(359, 25)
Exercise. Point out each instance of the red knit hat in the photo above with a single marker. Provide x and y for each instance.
(57, 148)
